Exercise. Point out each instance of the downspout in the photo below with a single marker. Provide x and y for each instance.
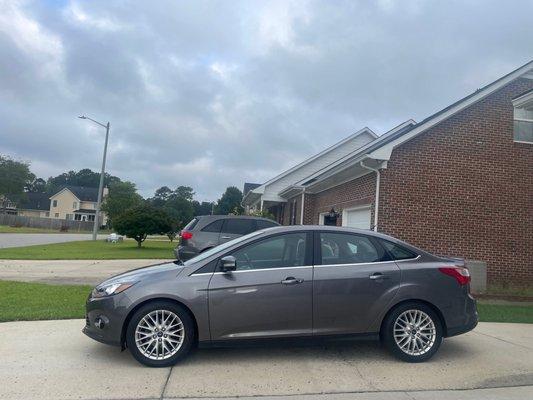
(302, 208)
(376, 202)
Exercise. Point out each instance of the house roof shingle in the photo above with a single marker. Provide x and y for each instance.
(35, 201)
(83, 193)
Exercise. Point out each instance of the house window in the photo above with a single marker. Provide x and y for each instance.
(90, 218)
(56, 215)
(47, 214)
(523, 118)
(74, 205)
(77, 217)
(69, 216)
(54, 203)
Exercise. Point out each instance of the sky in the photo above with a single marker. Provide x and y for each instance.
(210, 94)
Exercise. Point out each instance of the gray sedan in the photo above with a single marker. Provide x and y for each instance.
(313, 282)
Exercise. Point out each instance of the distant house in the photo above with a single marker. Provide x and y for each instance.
(76, 203)
(34, 205)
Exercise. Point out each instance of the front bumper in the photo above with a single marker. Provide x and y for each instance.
(106, 310)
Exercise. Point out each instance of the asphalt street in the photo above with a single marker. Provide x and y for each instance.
(30, 239)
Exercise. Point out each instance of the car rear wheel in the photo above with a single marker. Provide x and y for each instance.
(160, 334)
(412, 332)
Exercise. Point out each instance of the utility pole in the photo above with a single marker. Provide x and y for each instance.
(102, 175)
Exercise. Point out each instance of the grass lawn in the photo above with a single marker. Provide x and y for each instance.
(505, 313)
(22, 301)
(89, 250)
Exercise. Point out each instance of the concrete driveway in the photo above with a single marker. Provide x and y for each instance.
(30, 239)
(76, 272)
(54, 360)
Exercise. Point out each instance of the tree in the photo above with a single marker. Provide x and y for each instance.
(183, 210)
(15, 176)
(203, 208)
(38, 185)
(84, 177)
(161, 196)
(141, 221)
(230, 202)
(122, 196)
(173, 221)
(183, 192)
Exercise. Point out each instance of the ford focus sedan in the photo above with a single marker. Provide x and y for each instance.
(287, 282)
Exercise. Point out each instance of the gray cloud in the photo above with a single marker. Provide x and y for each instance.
(212, 93)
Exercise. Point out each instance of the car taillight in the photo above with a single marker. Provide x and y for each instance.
(461, 274)
(186, 235)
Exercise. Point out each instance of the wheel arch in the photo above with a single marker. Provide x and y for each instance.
(150, 300)
(419, 301)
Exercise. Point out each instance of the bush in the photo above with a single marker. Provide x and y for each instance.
(141, 221)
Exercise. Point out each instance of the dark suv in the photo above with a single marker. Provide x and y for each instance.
(207, 231)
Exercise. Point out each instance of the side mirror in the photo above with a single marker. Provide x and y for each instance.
(228, 263)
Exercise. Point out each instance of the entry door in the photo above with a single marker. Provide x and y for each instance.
(352, 285)
(270, 293)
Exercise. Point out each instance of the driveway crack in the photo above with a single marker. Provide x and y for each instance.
(503, 340)
(165, 385)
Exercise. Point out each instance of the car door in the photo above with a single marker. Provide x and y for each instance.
(270, 292)
(353, 282)
(235, 227)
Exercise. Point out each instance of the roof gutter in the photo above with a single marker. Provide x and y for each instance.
(376, 202)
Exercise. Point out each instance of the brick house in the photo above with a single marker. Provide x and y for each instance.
(458, 183)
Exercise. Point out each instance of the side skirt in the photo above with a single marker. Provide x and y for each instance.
(290, 341)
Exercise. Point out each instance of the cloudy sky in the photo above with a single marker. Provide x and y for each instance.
(215, 93)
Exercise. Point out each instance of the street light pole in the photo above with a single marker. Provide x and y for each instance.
(102, 174)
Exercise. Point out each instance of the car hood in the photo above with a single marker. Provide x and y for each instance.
(143, 272)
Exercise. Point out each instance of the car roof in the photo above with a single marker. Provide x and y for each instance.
(213, 217)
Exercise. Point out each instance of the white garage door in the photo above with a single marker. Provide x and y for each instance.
(356, 218)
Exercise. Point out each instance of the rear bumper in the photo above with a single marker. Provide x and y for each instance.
(185, 253)
(469, 318)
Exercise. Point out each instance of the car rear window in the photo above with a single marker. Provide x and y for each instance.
(396, 251)
(261, 224)
(238, 226)
(190, 226)
(213, 226)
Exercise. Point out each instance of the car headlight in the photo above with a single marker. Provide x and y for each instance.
(111, 289)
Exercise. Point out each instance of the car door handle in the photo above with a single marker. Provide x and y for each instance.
(291, 281)
(378, 275)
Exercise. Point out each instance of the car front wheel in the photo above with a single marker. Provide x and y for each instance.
(412, 332)
(160, 334)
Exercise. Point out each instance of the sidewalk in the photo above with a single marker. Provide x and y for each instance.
(77, 272)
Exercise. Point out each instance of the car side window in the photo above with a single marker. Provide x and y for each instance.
(238, 226)
(213, 226)
(345, 248)
(280, 251)
(396, 251)
(264, 224)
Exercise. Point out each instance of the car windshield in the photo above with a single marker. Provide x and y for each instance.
(220, 247)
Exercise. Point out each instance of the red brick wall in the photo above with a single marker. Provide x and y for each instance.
(360, 191)
(464, 188)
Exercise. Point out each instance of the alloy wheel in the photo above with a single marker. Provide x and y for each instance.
(414, 332)
(159, 334)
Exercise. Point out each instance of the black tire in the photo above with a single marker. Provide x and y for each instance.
(188, 329)
(387, 333)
